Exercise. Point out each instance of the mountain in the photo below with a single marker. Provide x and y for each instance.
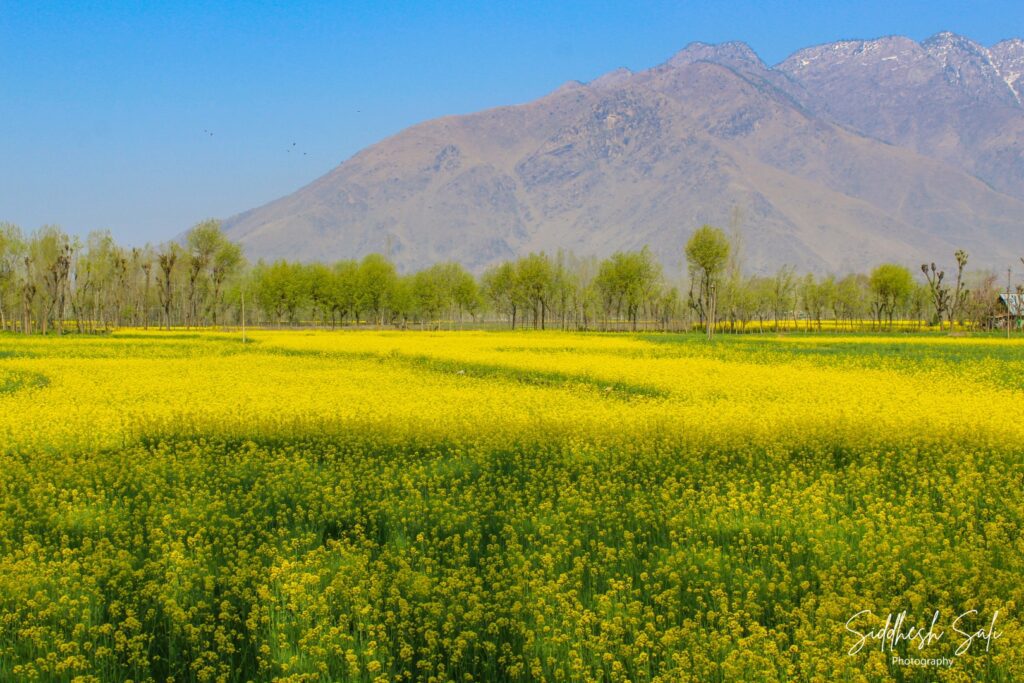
(948, 98)
(840, 157)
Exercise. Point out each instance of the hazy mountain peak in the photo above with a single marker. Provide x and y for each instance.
(734, 54)
(612, 78)
(858, 53)
(841, 156)
(569, 86)
(1009, 45)
(971, 66)
(953, 41)
(950, 47)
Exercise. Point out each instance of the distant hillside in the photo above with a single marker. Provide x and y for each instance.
(839, 157)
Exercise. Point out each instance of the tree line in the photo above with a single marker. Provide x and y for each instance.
(54, 282)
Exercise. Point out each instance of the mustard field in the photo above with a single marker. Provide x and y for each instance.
(510, 506)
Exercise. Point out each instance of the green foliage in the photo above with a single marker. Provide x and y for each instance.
(627, 281)
(891, 285)
(500, 286)
(345, 295)
(49, 277)
(281, 289)
(377, 280)
(707, 251)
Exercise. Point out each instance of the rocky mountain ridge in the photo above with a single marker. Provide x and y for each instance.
(839, 157)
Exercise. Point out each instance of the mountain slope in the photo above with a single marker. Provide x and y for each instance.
(948, 97)
(782, 155)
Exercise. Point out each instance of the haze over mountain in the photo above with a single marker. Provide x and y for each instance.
(840, 157)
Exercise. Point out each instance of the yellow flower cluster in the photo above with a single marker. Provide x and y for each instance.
(513, 506)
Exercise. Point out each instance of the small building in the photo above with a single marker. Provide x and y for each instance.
(1009, 309)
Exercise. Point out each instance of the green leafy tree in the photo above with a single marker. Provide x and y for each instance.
(280, 290)
(344, 293)
(12, 252)
(318, 286)
(817, 296)
(227, 262)
(500, 286)
(431, 293)
(377, 281)
(99, 283)
(212, 260)
(627, 282)
(890, 284)
(402, 306)
(707, 253)
(201, 242)
(850, 300)
(463, 290)
(535, 276)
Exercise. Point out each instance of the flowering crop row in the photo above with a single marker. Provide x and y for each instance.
(504, 506)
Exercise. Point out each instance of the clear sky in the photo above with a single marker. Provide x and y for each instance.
(107, 108)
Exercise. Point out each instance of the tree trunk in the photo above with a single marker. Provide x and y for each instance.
(711, 312)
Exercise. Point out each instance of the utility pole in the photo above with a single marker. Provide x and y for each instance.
(1008, 304)
(243, 315)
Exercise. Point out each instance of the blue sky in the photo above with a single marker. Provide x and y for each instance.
(106, 109)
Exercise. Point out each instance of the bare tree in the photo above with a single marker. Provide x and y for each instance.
(53, 254)
(167, 259)
(939, 292)
(960, 291)
(28, 295)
